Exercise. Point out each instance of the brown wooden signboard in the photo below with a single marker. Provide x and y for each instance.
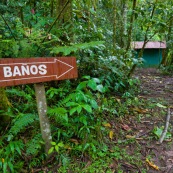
(16, 71)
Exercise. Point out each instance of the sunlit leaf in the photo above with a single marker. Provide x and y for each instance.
(100, 88)
(107, 125)
(57, 148)
(151, 164)
(92, 84)
(111, 133)
(96, 80)
(139, 110)
(53, 143)
(82, 85)
(73, 110)
(130, 137)
(86, 77)
(71, 104)
(51, 150)
(94, 104)
(79, 109)
(87, 108)
(160, 105)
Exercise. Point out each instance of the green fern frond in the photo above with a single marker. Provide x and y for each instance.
(21, 122)
(63, 102)
(66, 50)
(34, 145)
(19, 93)
(59, 114)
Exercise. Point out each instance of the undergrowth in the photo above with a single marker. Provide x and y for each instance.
(83, 128)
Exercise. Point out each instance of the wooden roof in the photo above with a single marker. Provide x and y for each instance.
(149, 45)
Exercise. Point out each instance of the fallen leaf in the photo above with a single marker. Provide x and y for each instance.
(125, 127)
(74, 141)
(67, 147)
(107, 125)
(111, 133)
(151, 164)
(119, 101)
(142, 111)
(130, 137)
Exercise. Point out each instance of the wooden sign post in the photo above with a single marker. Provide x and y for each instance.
(36, 70)
(42, 112)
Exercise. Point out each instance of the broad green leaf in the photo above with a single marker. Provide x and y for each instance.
(80, 96)
(82, 85)
(79, 109)
(96, 80)
(87, 108)
(71, 104)
(60, 144)
(51, 150)
(83, 120)
(100, 88)
(94, 104)
(92, 84)
(86, 77)
(73, 110)
(158, 131)
(160, 105)
(53, 143)
(12, 147)
(57, 148)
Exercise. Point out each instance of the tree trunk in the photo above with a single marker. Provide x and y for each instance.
(124, 23)
(67, 13)
(145, 41)
(131, 25)
(114, 24)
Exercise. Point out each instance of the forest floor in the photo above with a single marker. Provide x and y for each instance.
(135, 136)
(156, 89)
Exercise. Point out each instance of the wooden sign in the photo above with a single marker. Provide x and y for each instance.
(16, 71)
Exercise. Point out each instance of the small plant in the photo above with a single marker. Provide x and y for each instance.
(157, 132)
(166, 70)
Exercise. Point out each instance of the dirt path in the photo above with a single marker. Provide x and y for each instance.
(155, 85)
(157, 89)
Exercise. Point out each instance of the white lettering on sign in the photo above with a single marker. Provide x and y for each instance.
(24, 70)
(7, 71)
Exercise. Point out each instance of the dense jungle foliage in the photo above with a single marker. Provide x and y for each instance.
(99, 34)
